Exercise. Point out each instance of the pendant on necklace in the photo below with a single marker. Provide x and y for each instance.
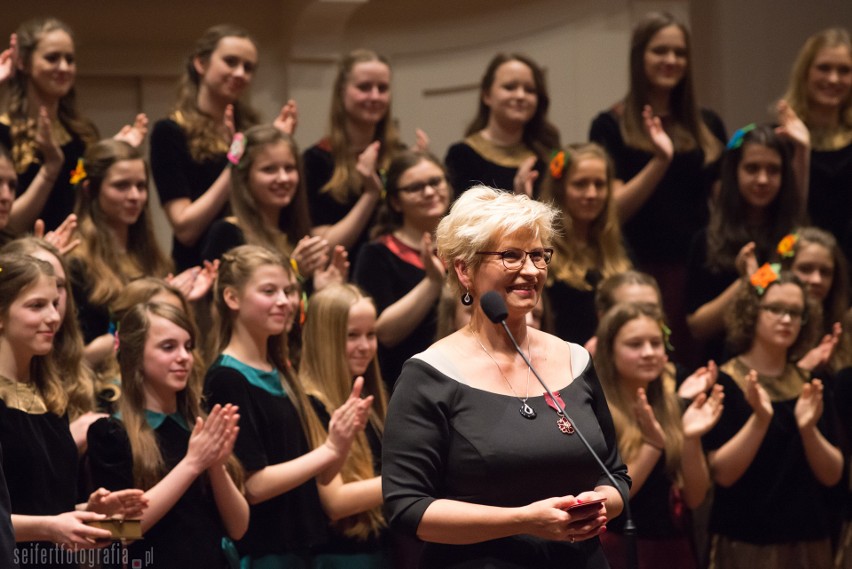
(562, 422)
(526, 411)
(565, 425)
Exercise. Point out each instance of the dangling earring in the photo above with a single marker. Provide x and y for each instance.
(467, 300)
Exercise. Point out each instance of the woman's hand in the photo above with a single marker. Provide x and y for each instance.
(336, 272)
(525, 177)
(204, 280)
(703, 413)
(62, 237)
(288, 119)
(700, 381)
(791, 126)
(125, 504)
(134, 134)
(366, 167)
(232, 430)
(7, 59)
(229, 123)
(757, 397)
(70, 531)
(311, 254)
(663, 146)
(822, 353)
(746, 260)
(51, 152)
(651, 429)
(421, 141)
(432, 264)
(809, 406)
(348, 420)
(555, 519)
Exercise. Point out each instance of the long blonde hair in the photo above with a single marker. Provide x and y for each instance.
(148, 466)
(203, 134)
(345, 180)
(325, 374)
(18, 274)
(605, 251)
(109, 269)
(661, 393)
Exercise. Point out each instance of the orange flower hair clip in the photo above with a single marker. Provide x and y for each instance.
(787, 245)
(765, 276)
(557, 164)
(78, 174)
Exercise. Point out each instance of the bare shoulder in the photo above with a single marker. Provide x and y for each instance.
(560, 355)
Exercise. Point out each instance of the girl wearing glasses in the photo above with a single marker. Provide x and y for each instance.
(589, 248)
(773, 453)
(756, 206)
(467, 409)
(399, 269)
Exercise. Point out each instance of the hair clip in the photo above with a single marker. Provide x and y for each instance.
(787, 245)
(765, 276)
(237, 149)
(557, 164)
(737, 139)
(78, 174)
(667, 335)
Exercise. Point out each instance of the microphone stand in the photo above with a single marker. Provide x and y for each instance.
(629, 526)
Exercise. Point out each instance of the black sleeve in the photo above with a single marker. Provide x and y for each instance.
(606, 132)
(417, 432)
(170, 161)
(715, 124)
(318, 167)
(454, 162)
(225, 385)
(93, 318)
(376, 275)
(221, 238)
(110, 458)
(696, 273)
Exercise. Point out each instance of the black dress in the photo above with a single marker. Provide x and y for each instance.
(191, 532)
(477, 161)
(387, 270)
(830, 191)
(7, 532)
(60, 201)
(270, 433)
(40, 463)
(447, 440)
(178, 175)
(221, 238)
(575, 318)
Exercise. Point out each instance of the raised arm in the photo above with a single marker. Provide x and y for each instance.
(824, 459)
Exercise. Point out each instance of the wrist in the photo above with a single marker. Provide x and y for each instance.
(653, 445)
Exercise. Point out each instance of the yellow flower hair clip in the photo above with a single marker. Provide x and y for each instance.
(787, 245)
(78, 174)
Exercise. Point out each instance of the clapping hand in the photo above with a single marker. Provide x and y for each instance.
(663, 146)
(125, 504)
(809, 406)
(757, 398)
(366, 167)
(336, 272)
(703, 413)
(651, 429)
(288, 119)
(7, 59)
(311, 255)
(134, 134)
(62, 236)
(822, 353)
(791, 127)
(700, 381)
(348, 420)
(525, 177)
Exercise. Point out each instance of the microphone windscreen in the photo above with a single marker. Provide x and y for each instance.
(494, 306)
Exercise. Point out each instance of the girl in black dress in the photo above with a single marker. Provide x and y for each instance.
(508, 143)
(188, 149)
(39, 454)
(660, 443)
(339, 345)
(255, 297)
(162, 442)
(589, 248)
(42, 124)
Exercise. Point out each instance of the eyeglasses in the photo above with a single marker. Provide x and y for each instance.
(435, 183)
(780, 310)
(514, 259)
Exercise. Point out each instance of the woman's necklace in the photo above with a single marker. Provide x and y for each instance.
(526, 411)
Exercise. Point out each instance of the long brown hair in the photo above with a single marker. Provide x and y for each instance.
(22, 125)
(203, 134)
(294, 221)
(109, 269)
(77, 379)
(345, 180)
(18, 274)
(148, 466)
(325, 374)
(540, 135)
(605, 248)
(661, 393)
(687, 130)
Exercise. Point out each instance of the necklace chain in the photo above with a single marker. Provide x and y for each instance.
(526, 411)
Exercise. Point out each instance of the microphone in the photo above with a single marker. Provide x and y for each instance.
(495, 309)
